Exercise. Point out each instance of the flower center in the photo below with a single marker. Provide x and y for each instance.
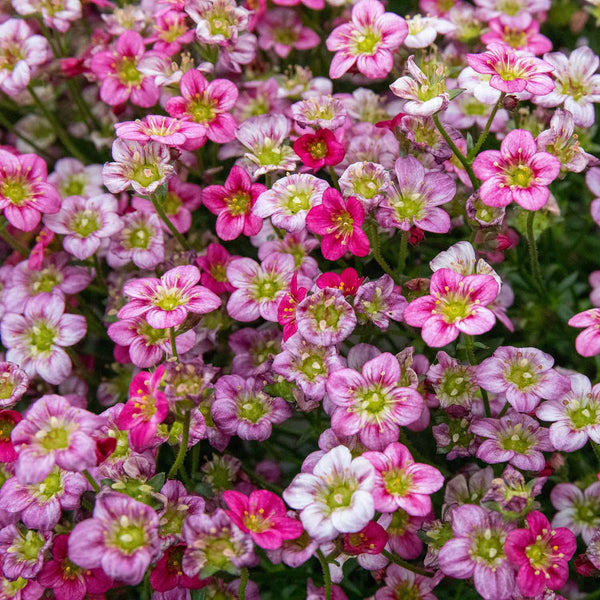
(367, 187)
(297, 200)
(340, 495)
(372, 400)
(285, 36)
(488, 547)
(584, 415)
(55, 438)
(266, 287)
(16, 190)
(127, 71)
(238, 204)
(366, 41)
(203, 108)
(409, 206)
(257, 522)
(218, 272)
(522, 374)
(85, 223)
(313, 367)
(30, 546)
(539, 554)
(152, 337)
(129, 537)
(510, 7)
(454, 308)
(145, 174)
(46, 280)
(41, 338)
(7, 424)
(587, 512)
(397, 482)
(172, 203)
(318, 149)
(253, 408)
(269, 153)
(11, 54)
(344, 224)
(139, 237)
(327, 315)
(169, 299)
(51, 486)
(521, 176)
(575, 88)
(518, 439)
(73, 186)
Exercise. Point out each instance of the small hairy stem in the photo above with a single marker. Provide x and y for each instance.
(376, 249)
(403, 251)
(91, 480)
(326, 574)
(185, 436)
(408, 566)
(12, 241)
(533, 253)
(334, 178)
(486, 129)
(243, 583)
(173, 335)
(157, 200)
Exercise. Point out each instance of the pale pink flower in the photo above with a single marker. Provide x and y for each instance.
(55, 14)
(588, 341)
(324, 112)
(528, 39)
(422, 31)
(578, 510)
(282, 30)
(368, 41)
(158, 128)
(72, 178)
(172, 32)
(517, 14)
(217, 21)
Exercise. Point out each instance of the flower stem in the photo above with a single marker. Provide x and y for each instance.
(533, 253)
(461, 157)
(468, 341)
(91, 480)
(326, 574)
(173, 344)
(376, 249)
(157, 200)
(243, 584)
(408, 566)
(334, 178)
(185, 436)
(99, 271)
(486, 129)
(403, 251)
(12, 241)
(596, 449)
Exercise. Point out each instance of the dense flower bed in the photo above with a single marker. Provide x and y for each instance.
(299, 299)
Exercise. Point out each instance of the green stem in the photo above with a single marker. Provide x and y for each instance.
(92, 481)
(486, 129)
(243, 584)
(596, 449)
(326, 574)
(157, 200)
(195, 458)
(61, 133)
(533, 253)
(486, 405)
(334, 178)
(99, 272)
(504, 408)
(403, 251)
(12, 241)
(468, 341)
(185, 436)
(376, 249)
(173, 344)
(408, 566)
(461, 157)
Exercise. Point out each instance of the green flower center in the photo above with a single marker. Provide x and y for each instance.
(218, 551)
(454, 308)
(455, 386)
(367, 187)
(285, 36)
(41, 338)
(145, 174)
(521, 176)
(266, 287)
(202, 108)
(587, 512)
(297, 200)
(269, 154)
(30, 546)
(172, 520)
(11, 588)
(373, 400)
(518, 439)
(405, 590)
(6, 427)
(584, 415)
(55, 438)
(514, 37)
(340, 495)
(238, 204)
(73, 186)
(397, 482)
(488, 547)
(16, 190)
(218, 272)
(152, 337)
(474, 108)
(522, 374)
(253, 408)
(539, 554)
(409, 206)
(400, 520)
(139, 237)
(169, 299)
(366, 41)
(172, 203)
(313, 366)
(7, 386)
(256, 522)
(264, 350)
(46, 280)
(51, 486)
(129, 537)
(327, 315)
(127, 71)
(85, 223)
(510, 7)
(10, 54)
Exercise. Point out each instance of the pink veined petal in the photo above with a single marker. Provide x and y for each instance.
(532, 198)
(340, 64)
(419, 311)
(437, 333)
(377, 65)
(481, 321)
(455, 560)
(586, 318)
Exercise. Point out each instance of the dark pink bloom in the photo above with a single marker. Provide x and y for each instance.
(319, 149)
(263, 515)
(168, 574)
(528, 39)
(456, 304)
(24, 190)
(166, 302)
(232, 203)
(214, 269)
(120, 71)
(206, 104)
(286, 311)
(369, 540)
(367, 40)
(516, 172)
(347, 281)
(339, 220)
(172, 32)
(588, 341)
(145, 410)
(400, 482)
(513, 72)
(8, 421)
(542, 554)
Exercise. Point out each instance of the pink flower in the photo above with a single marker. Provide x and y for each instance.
(319, 149)
(513, 72)
(36, 339)
(367, 40)
(456, 304)
(320, 112)
(347, 281)
(165, 130)
(232, 203)
(339, 220)
(400, 582)
(8, 421)
(13, 384)
(281, 29)
(145, 410)
(286, 311)
(214, 269)
(21, 53)
(166, 302)
(527, 39)
(218, 22)
(516, 172)
(24, 191)
(541, 553)
(263, 516)
(578, 510)
(119, 70)
(402, 483)
(374, 404)
(517, 15)
(416, 199)
(172, 32)
(241, 408)
(56, 16)
(588, 341)
(523, 375)
(379, 301)
(206, 104)
(168, 576)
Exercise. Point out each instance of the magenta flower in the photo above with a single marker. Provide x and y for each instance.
(241, 408)
(348, 281)
(54, 433)
(527, 39)
(161, 129)
(368, 41)
(477, 550)
(218, 22)
(541, 553)
(66, 579)
(373, 405)
(456, 304)
(416, 199)
(336, 497)
(214, 269)
(339, 220)
(24, 191)
(13, 384)
(232, 203)
(516, 172)
(166, 302)
(513, 72)
(145, 410)
(575, 416)
(263, 516)
(8, 421)
(400, 482)
(36, 339)
(84, 223)
(282, 30)
(121, 538)
(400, 582)
(578, 511)
(515, 438)
(167, 575)
(588, 341)
(259, 287)
(120, 72)
(523, 375)
(172, 32)
(23, 552)
(319, 149)
(286, 311)
(206, 104)
(21, 54)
